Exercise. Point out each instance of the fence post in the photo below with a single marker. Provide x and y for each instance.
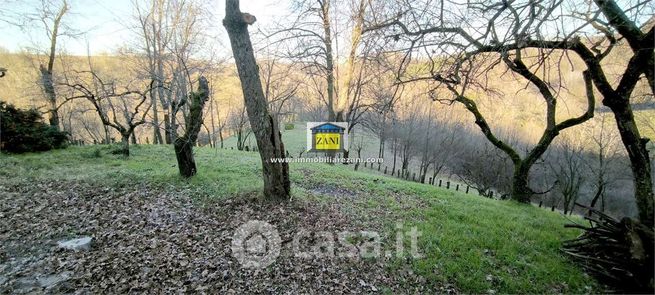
(457, 187)
(467, 189)
(491, 195)
(379, 165)
(414, 176)
(447, 184)
(430, 181)
(540, 202)
(385, 169)
(364, 164)
(439, 182)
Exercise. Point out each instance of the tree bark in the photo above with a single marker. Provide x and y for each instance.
(125, 144)
(184, 145)
(277, 185)
(639, 160)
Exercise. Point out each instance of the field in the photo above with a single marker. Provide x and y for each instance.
(176, 233)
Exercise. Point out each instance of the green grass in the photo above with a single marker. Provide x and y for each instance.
(477, 244)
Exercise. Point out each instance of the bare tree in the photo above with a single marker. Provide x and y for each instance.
(474, 49)
(603, 166)
(569, 172)
(279, 87)
(121, 110)
(184, 144)
(170, 32)
(445, 146)
(239, 124)
(385, 97)
(485, 169)
(314, 37)
(53, 32)
(277, 185)
(510, 30)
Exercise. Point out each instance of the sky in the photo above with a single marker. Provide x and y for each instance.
(104, 23)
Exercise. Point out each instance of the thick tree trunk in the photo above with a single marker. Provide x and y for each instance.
(520, 190)
(639, 160)
(184, 145)
(49, 89)
(125, 144)
(184, 154)
(269, 140)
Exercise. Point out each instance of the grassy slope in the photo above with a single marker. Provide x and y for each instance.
(475, 243)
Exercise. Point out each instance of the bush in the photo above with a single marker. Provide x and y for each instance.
(289, 126)
(24, 131)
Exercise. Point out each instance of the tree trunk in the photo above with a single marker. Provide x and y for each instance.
(125, 144)
(599, 193)
(359, 155)
(212, 137)
(329, 63)
(184, 154)
(277, 185)
(49, 89)
(520, 190)
(156, 136)
(220, 136)
(240, 140)
(184, 145)
(167, 129)
(395, 155)
(639, 159)
(107, 134)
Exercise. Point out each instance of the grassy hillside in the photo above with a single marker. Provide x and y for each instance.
(471, 244)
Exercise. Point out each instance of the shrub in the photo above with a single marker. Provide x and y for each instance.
(289, 126)
(24, 131)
